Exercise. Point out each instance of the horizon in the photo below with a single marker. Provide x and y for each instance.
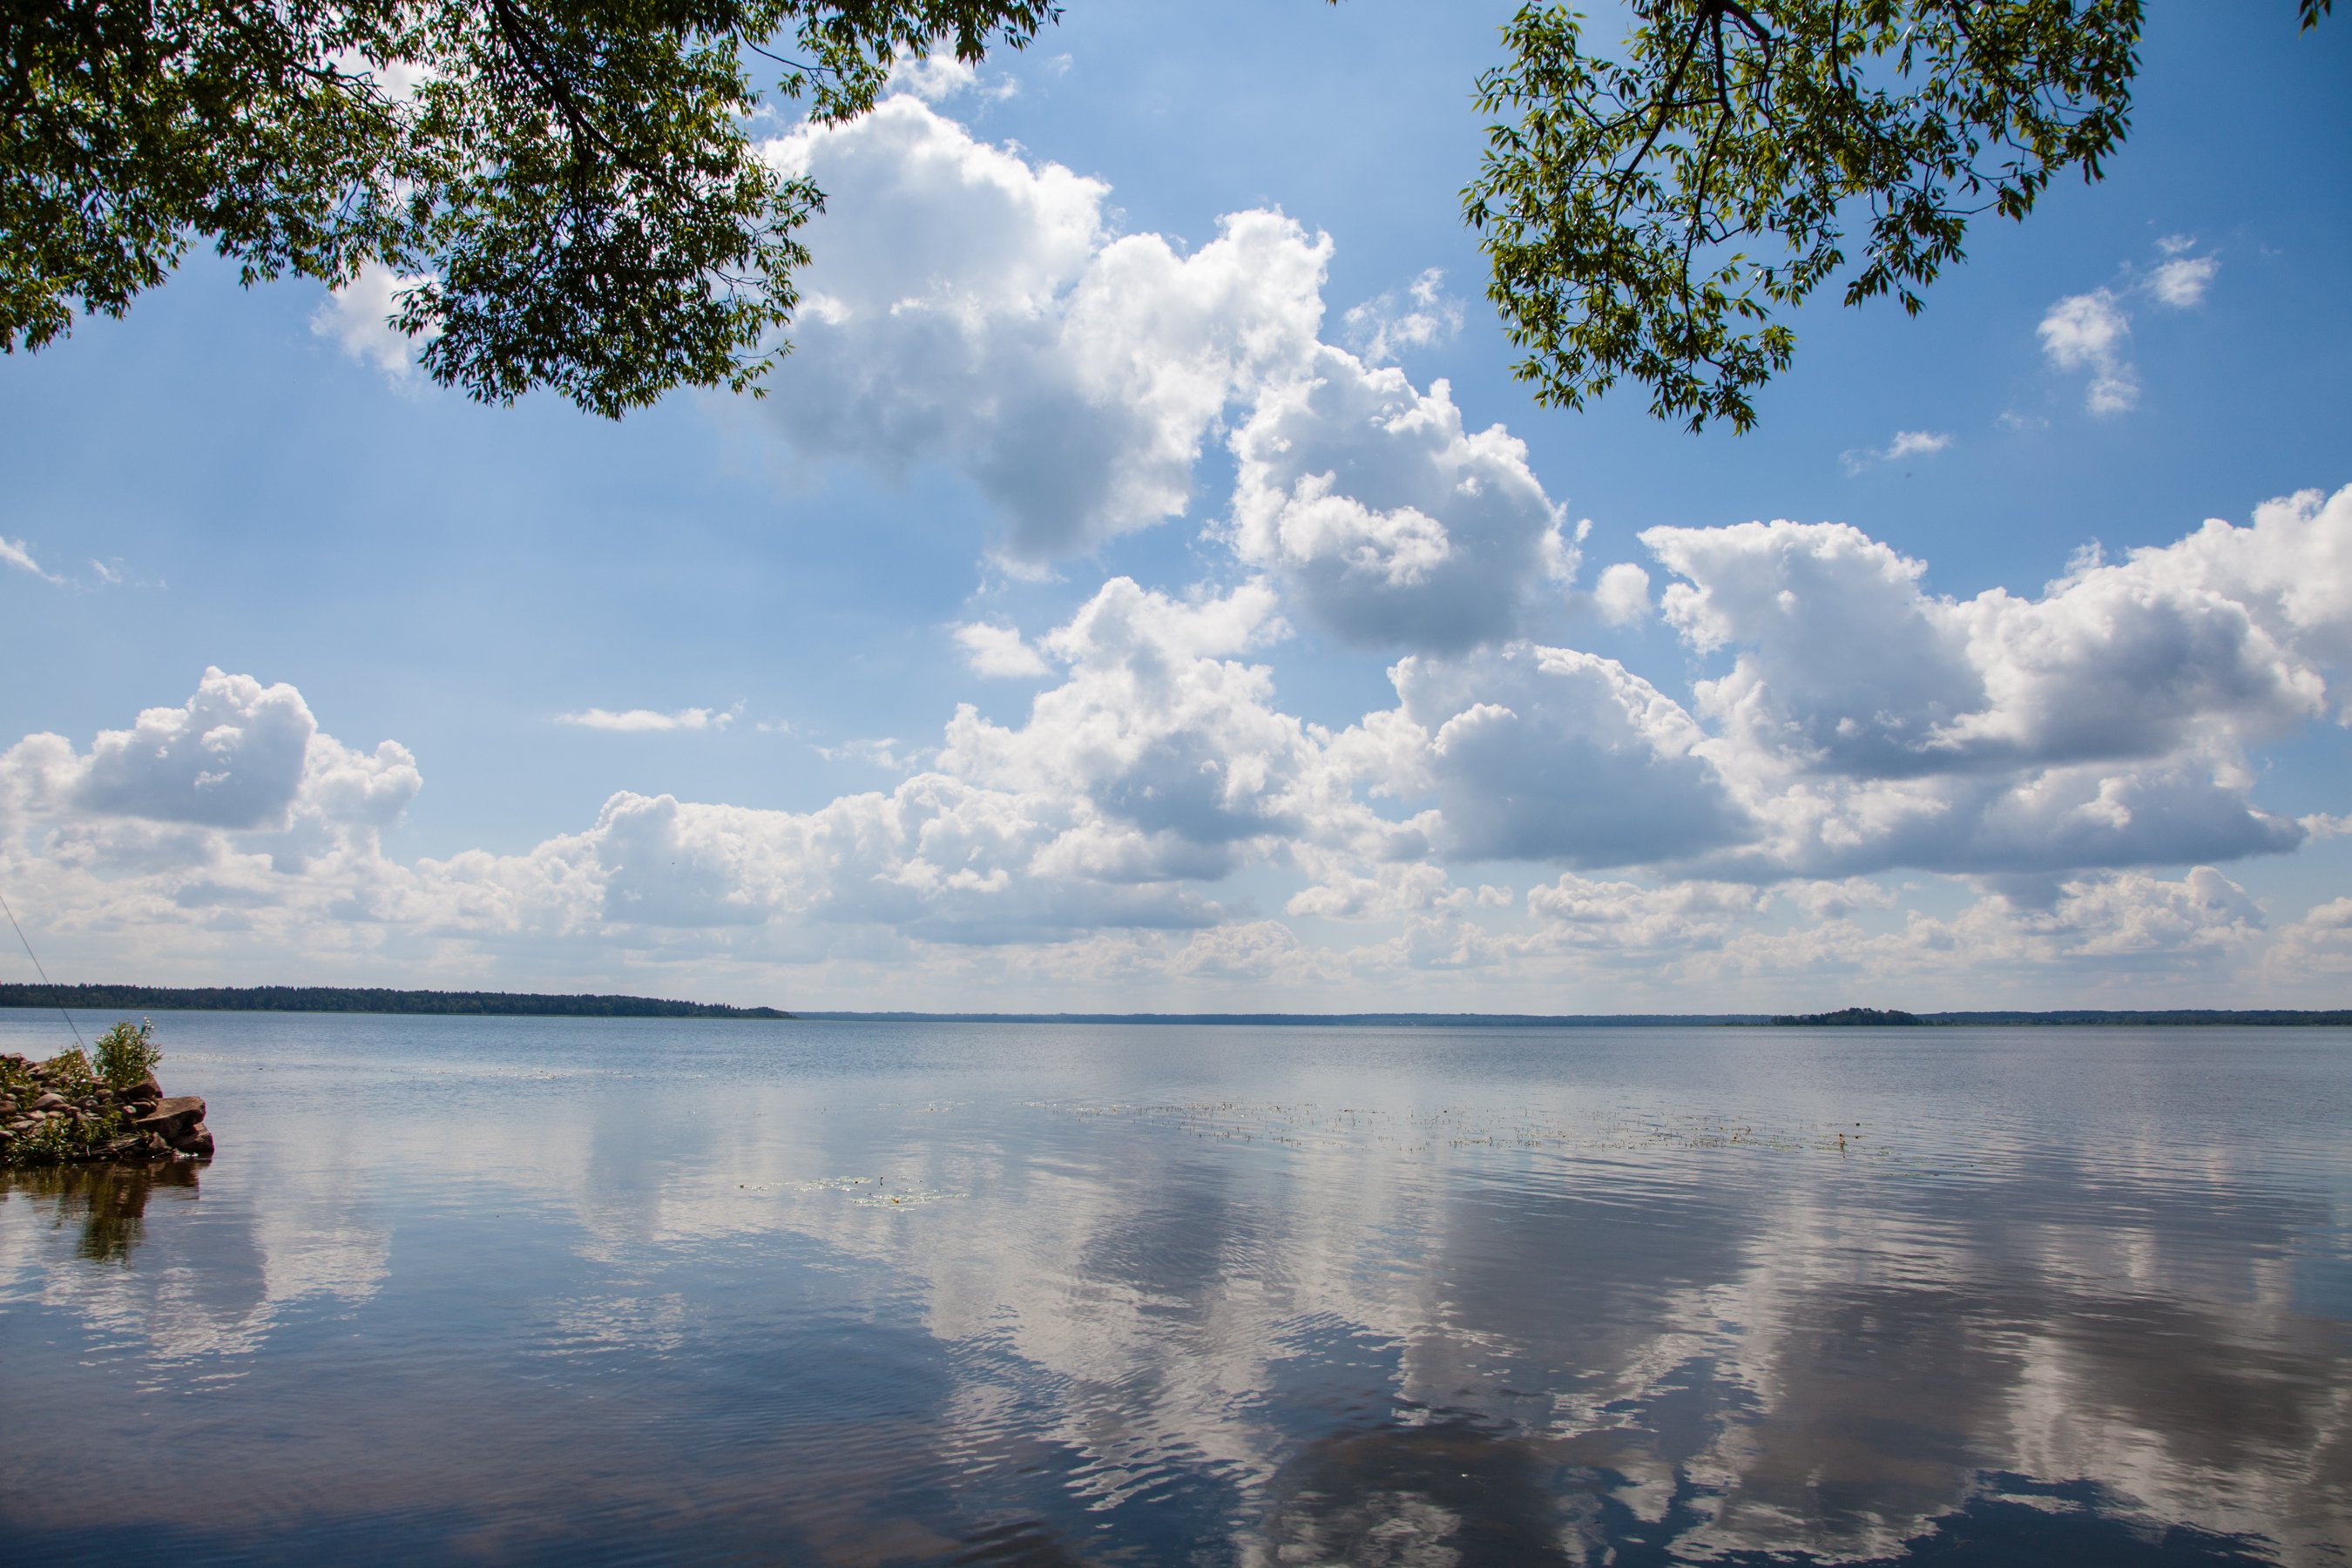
(65, 998)
(1144, 585)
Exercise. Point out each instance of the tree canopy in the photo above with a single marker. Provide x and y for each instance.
(570, 196)
(1656, 217)
(568, 189)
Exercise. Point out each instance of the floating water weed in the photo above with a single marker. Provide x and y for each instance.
(1302, 1125)
(912, 1198)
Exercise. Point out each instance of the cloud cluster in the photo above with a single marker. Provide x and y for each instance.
(2060, 751)
(232, 801)
(967, 307)
(1156, 763)
(1833, 723)
(233, 756)
(1858, 724)
(1867, 723)
(2092, 332)
(970, 307)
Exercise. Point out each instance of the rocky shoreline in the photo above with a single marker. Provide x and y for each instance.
(56, 1113)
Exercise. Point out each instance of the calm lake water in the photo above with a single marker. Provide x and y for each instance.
(552, 1290)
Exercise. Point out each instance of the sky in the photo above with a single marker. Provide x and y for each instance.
(1144, 587)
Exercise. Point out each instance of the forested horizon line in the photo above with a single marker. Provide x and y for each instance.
(89, 997)
(365, 999)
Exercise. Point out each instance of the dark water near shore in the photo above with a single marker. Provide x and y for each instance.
(619, 1291)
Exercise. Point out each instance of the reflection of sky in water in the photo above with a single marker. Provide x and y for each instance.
(540, 1290)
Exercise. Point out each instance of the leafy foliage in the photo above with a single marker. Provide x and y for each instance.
(68, 1072)
(65, 1138)
(568, 189)
(126, 1053)
(570, 196)
(1652, 217)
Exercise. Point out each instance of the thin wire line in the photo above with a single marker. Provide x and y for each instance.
(43, 973)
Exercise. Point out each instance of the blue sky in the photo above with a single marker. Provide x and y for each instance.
(1145, 587)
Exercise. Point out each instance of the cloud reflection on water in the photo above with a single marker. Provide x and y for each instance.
(1765, 1352)
(1443, 1320)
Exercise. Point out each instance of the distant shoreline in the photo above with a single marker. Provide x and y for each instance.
(362, 999)
(2260, 1017)
(526, 1005)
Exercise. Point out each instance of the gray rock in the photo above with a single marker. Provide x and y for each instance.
(49, 1101)
(196, 1139)
(171, 1116)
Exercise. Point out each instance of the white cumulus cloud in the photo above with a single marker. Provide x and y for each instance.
(1622, 595)
(970, 307)
(1907, 443)
(1172, 746)
(2092, 332)
(2182, 282)
(967, 307)
(995, 650)
(2107, 723)
(648, 720)
(1423, 315)
(231, 757)
(1391, 523)
(932, 77)
(2061, 753)
(358, 318)
(1544, 753)
(2088, 331)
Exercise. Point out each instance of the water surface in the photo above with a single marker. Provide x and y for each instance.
(615, 1291)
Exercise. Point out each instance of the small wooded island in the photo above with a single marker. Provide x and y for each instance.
(1850, 1017)
(73, 1109)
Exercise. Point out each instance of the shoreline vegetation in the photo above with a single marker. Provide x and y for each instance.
(526, 1005)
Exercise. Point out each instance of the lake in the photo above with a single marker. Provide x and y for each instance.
(542, 1290)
